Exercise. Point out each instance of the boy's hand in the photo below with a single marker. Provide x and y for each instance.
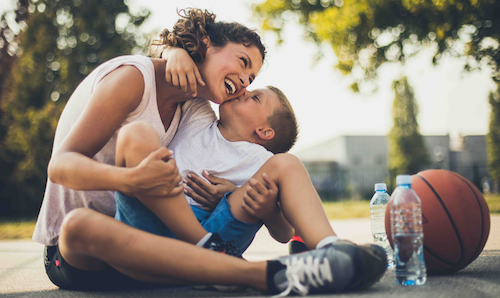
(206, 193)
(261, 201)
(181, 71)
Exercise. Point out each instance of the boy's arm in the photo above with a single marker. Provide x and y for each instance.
(181, 71)
(261, 201)
(208, 194)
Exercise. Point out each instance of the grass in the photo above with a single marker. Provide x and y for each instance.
(17, 229)
(361, 209)
(347, 209)
(23, 228)
(493, 201)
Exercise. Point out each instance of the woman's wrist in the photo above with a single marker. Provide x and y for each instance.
(128, 181)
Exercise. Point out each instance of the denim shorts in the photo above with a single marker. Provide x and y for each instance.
(132, 212)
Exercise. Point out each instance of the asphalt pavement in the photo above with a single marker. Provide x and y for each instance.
(22, 272)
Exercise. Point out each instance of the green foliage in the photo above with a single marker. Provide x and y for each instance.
(364, 34)
(61, 42)
(407, 151)
(493, 136)
(7, 50)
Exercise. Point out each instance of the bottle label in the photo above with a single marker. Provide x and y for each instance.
(406, 221)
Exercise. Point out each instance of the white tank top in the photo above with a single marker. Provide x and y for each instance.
(59, 200)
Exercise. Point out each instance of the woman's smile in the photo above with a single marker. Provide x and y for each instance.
(230, 86)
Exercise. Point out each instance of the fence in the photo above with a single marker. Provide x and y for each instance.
(334, 182)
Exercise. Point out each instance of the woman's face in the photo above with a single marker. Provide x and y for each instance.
(227, 71)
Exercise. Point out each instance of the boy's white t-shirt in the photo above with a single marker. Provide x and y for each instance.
(198, 145)
(59, 200)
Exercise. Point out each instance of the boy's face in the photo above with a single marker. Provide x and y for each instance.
(247, 113)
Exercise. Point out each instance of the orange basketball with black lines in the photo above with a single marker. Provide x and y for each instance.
(455, 220)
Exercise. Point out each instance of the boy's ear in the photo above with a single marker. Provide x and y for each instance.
(265, 133)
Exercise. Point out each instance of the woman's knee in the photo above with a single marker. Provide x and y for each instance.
(74, 228)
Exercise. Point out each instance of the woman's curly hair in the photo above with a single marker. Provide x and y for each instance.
(195, 24)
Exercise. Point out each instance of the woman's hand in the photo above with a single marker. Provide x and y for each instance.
(181, 71)
(156, 176)
(261, 201)
(208, 194)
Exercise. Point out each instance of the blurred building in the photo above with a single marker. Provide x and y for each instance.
(349, 166)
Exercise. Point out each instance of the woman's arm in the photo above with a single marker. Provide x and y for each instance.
(72, 166)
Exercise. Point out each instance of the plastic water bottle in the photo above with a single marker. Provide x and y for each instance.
(378, 205)
(407, 234)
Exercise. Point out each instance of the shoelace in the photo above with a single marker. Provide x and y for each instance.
(298, 268)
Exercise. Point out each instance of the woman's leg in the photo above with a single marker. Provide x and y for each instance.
(135, 142)
(89, 240)
(88, 236)
(300, 203)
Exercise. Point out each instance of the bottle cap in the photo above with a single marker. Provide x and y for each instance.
(380, 186)
(403, 179)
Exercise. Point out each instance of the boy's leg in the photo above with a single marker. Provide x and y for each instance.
(89, 240)
(135, 142)
(221, 221)
(300, 203)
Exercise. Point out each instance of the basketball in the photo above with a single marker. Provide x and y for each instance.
(455, 220)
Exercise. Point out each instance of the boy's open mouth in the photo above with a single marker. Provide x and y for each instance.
(231, 88)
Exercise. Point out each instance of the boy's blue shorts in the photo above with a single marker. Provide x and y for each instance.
(132, 212)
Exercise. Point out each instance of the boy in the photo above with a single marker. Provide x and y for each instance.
(200, 135)
(288, 201)
(232, 148)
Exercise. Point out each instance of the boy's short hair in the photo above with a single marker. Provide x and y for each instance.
(284, 124)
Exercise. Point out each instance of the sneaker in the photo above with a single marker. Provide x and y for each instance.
(215, 243)
(338, 267)
(296, 245)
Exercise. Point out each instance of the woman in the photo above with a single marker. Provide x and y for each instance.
(117, 93)
(90, 250)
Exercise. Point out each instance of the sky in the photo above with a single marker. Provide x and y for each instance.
(450, 101)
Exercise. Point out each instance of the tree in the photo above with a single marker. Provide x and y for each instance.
(9, 49)
(8, 39)
(63, 41)
(407, 151)
(493, 137)
(364, 34)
